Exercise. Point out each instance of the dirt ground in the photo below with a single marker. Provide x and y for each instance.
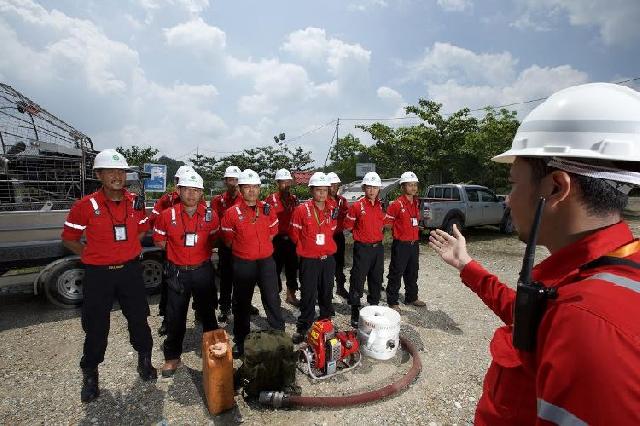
(41, 346)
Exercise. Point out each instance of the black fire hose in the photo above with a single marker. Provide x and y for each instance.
(281, 399)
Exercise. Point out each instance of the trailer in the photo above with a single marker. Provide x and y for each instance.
(45, 166)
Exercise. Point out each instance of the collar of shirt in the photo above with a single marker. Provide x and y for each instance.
(365, 202)
(200, 209)
(407, 203)
(593, 246)
(101, 197)
(228, 199)
(244, 207)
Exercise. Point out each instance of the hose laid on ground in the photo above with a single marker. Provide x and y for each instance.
(281, 399)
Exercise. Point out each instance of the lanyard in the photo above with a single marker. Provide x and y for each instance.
(315, 215)
(184, 228)
(626, 250)
(126, 212)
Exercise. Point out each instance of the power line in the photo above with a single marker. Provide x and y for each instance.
(295, 138)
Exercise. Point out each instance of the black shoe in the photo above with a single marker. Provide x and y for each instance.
(298, 337)
(196, 316)
(253, 310)
(145, 368)
(224, 315)
(162, 331)
(342, 292)
(238, 350)
(355, 316)
(90, 389)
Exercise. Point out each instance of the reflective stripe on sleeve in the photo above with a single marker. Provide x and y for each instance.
(558, 415)
(143, 221)
(295, 225)
(75, 226)
(227, 229)
(273, 224)
(351, 217)
(159, 231)
(389, 216)
(213, 231)
(94, 204)
(154, 211)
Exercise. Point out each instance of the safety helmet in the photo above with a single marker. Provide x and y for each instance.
(599, 121)
(110, 159)
(192, 180)
(232, 172)
(249, 177)
(319, 179)
(182, 170)
(408, 177)
(333, 177)
(283, 174)
(372, 179)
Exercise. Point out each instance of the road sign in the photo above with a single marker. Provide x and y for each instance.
(364, 168)
(158, 180)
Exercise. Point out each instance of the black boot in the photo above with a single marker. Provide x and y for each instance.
(224, 315)
(162, 331)
(238, 350)
(342, 292)
(355, 316)
(145, 368)
(253, 311)
(90, 389)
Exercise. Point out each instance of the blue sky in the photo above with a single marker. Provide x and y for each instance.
(219, 76)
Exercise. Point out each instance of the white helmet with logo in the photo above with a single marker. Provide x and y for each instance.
(333, 177)
(319, 179)
(590, 121)
(182, 170)
(232, 172)
(283, 174)
(372, 179)
(249, 177)
(408, 177)
(191, 179)
(110, 159)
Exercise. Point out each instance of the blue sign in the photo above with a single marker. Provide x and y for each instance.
(157, 182)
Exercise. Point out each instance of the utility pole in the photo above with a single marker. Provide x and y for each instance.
(324, 168)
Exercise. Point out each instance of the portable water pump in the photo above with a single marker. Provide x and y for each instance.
(327, 352)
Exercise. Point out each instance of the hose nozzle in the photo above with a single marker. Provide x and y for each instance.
(274, 399)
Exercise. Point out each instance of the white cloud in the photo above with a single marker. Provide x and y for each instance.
(455, 5)
(191, 6)
(363, 5)
(617, 20)
(197, 35)
(527, 23)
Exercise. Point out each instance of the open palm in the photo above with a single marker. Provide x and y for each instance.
(451, 248)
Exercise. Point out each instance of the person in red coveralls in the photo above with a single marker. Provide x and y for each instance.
(283, 203)
(312, 227)
(113, 222)
(366, 220)
(402, 217)
(248, 229)
(580, 363)
(338, 236)
(186, 231)
(220, 204)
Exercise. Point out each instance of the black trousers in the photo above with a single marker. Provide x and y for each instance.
(404, 265)
(246, 274)
(368, 264)
(284, 254)
(199, 284)
(316, 285)
(341, 279)
(226, 276)
(101, 286)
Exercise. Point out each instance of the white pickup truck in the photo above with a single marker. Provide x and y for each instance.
(464, 205)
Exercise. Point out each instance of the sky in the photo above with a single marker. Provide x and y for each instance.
(216, 77)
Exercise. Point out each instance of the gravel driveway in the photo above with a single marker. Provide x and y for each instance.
(41, 347)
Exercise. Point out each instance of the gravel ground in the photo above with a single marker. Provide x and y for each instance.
(41, 346)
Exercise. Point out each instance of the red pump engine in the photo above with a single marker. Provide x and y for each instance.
(328, 352)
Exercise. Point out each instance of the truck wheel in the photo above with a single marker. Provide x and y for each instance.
(152, 274)
(448, 226)
(63, 286)
(506, 225)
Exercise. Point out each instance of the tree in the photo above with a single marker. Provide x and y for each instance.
(172, 166)
(137, 156)
(344, 155)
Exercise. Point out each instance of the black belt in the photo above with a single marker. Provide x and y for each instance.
(324, 257)
(113, 267)
(191, 267)
(379, 243)
(407, 242)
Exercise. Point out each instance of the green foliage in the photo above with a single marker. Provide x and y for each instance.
(137, 156)
(172, 167)
(344, 155)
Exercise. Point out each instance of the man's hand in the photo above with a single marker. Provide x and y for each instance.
(452, 249)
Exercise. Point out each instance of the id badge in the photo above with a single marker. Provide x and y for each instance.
(320, 239)
(190, 239)
(120, 232)
(414, 221)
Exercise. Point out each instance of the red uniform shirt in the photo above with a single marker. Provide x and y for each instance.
(173, 225)
(249, 230)
(343, 209)
(96, 216)
(167, 200)
(284, 209)
(222, 202)
(366, 220)
(312, 230)
(587, 362)
(403, 215)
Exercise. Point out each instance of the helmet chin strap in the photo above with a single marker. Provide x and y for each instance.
(622, 180)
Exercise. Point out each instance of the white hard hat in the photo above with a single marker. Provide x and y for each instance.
(193, 180)
(283, 174)
(249, 177)
(372, 179)
(110, 159)
(232, 172)
(319, 179)
(408, 177)
(182, 170)
(333, 177)
(590, 121)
